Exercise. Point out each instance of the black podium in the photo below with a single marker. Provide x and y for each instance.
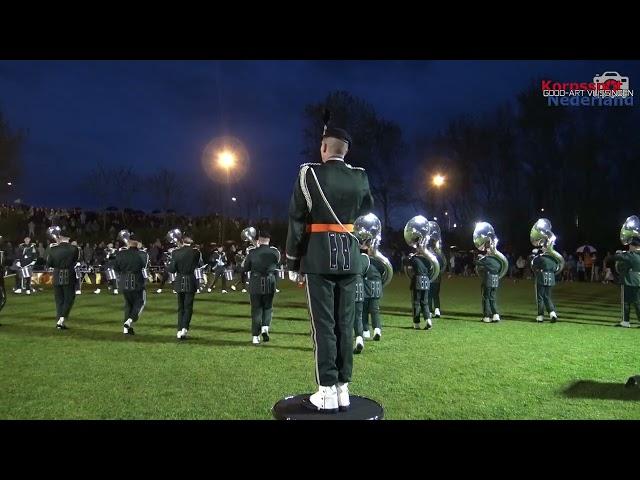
(361, 408)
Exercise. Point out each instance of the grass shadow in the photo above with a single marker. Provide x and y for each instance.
(601, 391)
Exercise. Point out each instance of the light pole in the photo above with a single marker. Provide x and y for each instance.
(226, 161)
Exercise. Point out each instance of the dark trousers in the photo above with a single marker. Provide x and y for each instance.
(218, 273)
(134, 302)
(371, 306)
(242, 279)
(3, 294)
(543, 299)
(261, 312)
(419, 300)
(434, 296)
(165, 277)
(23, 282)
(489, 304)
(331, 300)
(64, 295)
(357, 321)
(185, 309)
(630, 296)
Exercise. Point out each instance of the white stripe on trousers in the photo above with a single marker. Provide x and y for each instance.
(313, 329)
(144, 302)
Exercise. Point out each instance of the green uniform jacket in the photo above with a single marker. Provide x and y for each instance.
(184, 261)
(347, 191)
(130, 263)
(262, 262)
(373, 279)
(62, 257)
(628, 266)
(544, 268)
(421, 268)
(488, 268)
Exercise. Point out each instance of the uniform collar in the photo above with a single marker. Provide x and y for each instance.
(334, 158)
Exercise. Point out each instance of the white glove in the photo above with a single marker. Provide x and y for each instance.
(293, 276)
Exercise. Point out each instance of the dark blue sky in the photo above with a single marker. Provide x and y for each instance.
(162, 113)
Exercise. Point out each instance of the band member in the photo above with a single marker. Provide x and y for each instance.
(78, 269)
(434, 287)
(218, 264)
(239, 259)
(107, 268)
(628, 266)
(544, 268)
(62, 257)
(546, 264)
(99, 258)
(488, 269)
(186, 262)
(326, 200)
(419, 286)
(129, 263)
(26, 261)
(166, 260)
(3, 292)
(358, 329)
(262, 263)
(372, 296)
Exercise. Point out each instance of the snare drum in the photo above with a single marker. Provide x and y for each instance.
(26, 272)
(281, 273)
(172, 277)
(199, 274)
(110, 274)
(228, 274)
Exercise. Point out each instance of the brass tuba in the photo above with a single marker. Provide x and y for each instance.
(368, 230)
(250, 234)
(124, 236)
(485, 239)
(54, 232)
(417, 234)
(630, 230)
(541, 236)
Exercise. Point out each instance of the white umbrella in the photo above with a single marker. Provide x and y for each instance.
(586, 248)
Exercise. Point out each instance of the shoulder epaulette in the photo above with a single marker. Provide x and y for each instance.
(122, 248)
(354, 168)
(309, 164)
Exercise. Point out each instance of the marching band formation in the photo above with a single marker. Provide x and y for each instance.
(333, 249)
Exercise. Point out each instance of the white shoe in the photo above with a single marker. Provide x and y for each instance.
(179, 334)
(18, 291)
(376, 334)
(486, 320)
(233, 287)
(539, 319)
(159, 290)
(343, 396)
(244, 290)
(115, 291)
(28, 292)
(359, 344)
(255, 340)
(429, 324)
(366, 334)
(416, 326)
(224, 291)
(208, 290)
(265, 334)
(97, 291)
(78, 292)
(436, 313)
(624, 324)
(128, 323)
(325, 399)
(496, 318)
(277, 291)
(554, 317)
(184, 332)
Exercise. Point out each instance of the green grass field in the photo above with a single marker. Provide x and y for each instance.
(461, 369)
